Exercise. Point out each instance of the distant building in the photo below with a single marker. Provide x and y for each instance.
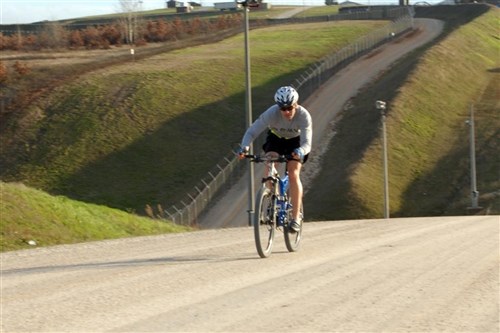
(174, 4)
(349, 4)
(183, 9)
(349, 7)
(180, 6)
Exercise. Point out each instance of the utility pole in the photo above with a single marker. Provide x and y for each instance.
(381, 105)
(248, 106)
(472, 151)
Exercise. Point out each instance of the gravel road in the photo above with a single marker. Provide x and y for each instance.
(398, 275)
(324, 106)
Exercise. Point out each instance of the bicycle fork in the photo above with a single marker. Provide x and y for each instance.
(283, 206)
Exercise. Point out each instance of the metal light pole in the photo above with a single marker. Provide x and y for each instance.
(248, 106)
(381, 105)
(473, 184)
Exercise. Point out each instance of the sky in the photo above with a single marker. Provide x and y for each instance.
(29, 11)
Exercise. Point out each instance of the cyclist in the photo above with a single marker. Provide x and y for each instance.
(289, 128)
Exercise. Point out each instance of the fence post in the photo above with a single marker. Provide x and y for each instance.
(194, 201)
(223, 175)
(178, 212)
(208, 187)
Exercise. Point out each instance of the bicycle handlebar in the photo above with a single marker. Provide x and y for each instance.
(263, 158)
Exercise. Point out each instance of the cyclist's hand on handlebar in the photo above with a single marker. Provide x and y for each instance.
(242, 152)
(298, 154)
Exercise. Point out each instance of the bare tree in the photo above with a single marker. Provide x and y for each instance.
(53, 35)
(130, 21)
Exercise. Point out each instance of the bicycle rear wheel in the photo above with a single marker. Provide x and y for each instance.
(292, 239)
(264, 222)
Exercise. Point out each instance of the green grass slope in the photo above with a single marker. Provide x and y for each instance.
(27, 215)
(429, 94)
(146, 132)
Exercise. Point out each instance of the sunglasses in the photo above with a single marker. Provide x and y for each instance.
(289, 108)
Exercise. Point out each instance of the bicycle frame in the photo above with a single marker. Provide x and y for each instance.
(273, 209)
(283, 206)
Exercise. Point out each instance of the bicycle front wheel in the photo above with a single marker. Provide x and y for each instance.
(264, 222)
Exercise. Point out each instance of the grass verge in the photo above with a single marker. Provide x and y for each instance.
(32, 215)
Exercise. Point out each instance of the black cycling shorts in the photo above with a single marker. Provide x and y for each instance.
(282, 146)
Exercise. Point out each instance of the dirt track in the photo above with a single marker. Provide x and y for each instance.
(398, 275)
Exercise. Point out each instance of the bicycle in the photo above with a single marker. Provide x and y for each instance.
(273, 210)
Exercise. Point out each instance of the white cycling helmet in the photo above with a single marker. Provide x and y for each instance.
(286, 96)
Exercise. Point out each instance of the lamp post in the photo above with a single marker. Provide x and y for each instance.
(381, 105)
(248, 107)
(473, 184)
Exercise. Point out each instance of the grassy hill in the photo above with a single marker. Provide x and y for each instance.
(120, 133)
(32, 215)
(429, 94)
(143, 132)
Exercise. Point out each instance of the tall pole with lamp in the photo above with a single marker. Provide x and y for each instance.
(248, 107)
(381, 105)
(474, 208)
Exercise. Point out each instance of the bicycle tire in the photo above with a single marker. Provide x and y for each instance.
(264, 222)
(292, 239)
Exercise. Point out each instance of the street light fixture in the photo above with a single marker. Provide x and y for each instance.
(474, 208)
(381, 105)
(248, 106)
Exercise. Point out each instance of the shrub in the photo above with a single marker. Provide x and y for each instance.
(103, 37)
(75, 40)
(21, 69)
(3, 73)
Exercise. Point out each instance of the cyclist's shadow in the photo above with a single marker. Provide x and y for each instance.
(173, 260)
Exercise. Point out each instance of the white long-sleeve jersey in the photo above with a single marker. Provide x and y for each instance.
(272, 119)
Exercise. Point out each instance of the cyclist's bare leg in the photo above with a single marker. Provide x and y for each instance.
(296, 190)
(269, 154)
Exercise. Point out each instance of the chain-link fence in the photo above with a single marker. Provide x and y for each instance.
(225, 173)
(187, 213)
